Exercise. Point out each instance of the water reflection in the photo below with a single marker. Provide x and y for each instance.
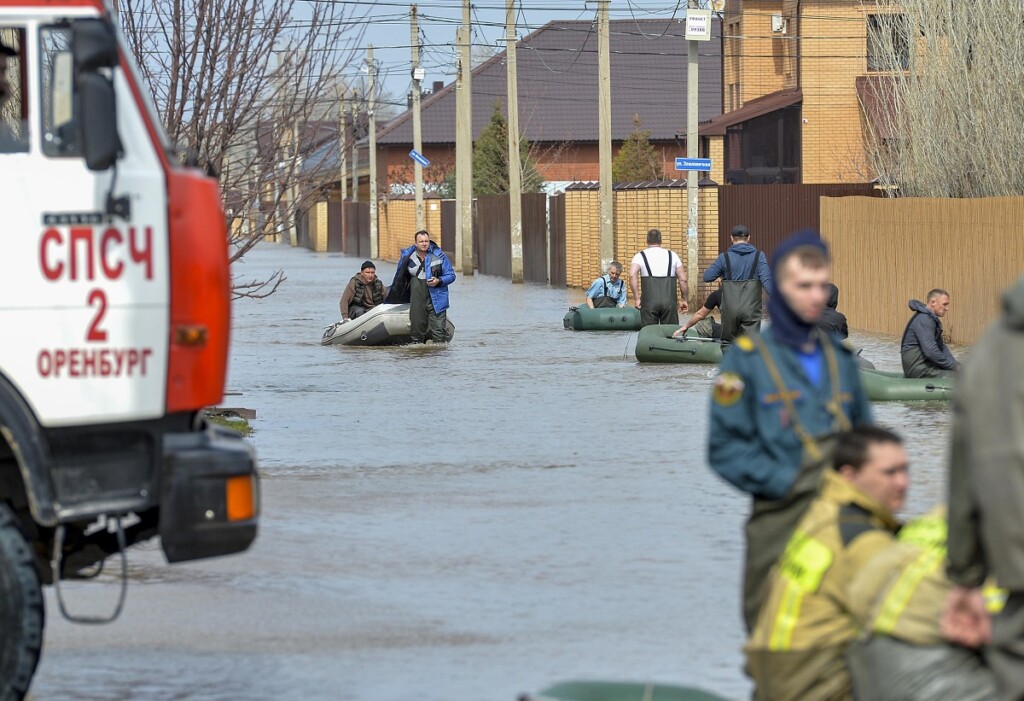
(471, 522)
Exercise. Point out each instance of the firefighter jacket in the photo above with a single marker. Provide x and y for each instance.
(805, 623)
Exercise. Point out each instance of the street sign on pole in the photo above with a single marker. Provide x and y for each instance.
(693, 164)
(698, 25)
(419, 158)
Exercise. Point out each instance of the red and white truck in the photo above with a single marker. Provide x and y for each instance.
(114, 324)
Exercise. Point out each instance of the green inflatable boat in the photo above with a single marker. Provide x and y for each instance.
(893, 386)
(621, 691)
(655, 344)
(608, 319)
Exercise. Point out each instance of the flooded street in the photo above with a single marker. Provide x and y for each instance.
(464, 523)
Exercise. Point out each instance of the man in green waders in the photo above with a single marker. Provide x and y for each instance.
(745, 275)
(779, 400)
(662, 271)
(421, 280)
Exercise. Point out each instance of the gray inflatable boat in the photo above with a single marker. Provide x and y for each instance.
(384, 325)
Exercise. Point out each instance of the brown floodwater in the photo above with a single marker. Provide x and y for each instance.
(523, 506)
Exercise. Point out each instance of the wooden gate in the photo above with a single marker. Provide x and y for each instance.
(773, 212)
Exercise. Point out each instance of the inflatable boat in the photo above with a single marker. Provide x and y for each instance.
(607, 319)
(655, 344)
(893, 386)
(384, 325)
(621, 691)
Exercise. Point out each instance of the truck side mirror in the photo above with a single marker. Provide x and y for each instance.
(94, 45)
(95, 48)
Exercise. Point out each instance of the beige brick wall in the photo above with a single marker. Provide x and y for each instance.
(636, 211)
(397, 225)
(834, 53)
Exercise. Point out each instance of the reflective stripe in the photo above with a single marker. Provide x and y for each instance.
(801, 569)
(929, 532)
(896, 600)
(995, 598)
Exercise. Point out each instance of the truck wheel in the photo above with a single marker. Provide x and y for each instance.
(21, 610)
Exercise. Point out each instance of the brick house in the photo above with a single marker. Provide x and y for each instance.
(558, 104)
(798, 102)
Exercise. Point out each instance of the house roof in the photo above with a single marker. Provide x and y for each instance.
(754, 108)
(877, 95)
(558, 85)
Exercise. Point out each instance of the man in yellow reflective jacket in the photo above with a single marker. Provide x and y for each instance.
(796, 651)
(897, 599)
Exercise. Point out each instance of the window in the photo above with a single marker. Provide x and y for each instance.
(59, 125)
(888, 42)
(13, 96)
(764, 150)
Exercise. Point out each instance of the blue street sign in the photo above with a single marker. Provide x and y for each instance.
(693, 164)
(419, 158)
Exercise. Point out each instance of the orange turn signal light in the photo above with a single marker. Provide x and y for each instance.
(190, 335)
(241, 498)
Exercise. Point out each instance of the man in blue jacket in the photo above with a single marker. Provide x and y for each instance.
(923, 351)
(778, 403)
(422, 279)
(745, 275)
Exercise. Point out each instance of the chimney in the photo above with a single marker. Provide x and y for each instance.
(438, 86)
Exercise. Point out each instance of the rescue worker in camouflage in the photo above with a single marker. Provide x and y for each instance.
(745, 276)
(923, 351)
(362, 293)
(421, 280)
(779, 399)
(656, 297)
(897, 600)
(986, 496)
(796, 651)
(609, 290)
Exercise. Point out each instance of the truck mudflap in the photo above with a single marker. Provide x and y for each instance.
(209, 501)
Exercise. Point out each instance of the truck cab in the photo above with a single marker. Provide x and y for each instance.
(114, 321)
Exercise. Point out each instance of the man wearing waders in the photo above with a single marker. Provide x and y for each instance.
(779, 400)
(422, 279)
(662, 272)
(609, 290)
(744, 272)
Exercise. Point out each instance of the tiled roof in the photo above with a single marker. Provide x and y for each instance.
(558, 85)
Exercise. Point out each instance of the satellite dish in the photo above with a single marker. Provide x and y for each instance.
(716, 5)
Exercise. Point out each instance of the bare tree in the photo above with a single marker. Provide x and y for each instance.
(946, 96)
(247, 89)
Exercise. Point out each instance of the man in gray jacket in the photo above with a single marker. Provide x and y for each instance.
(923, 350)
(986, 496)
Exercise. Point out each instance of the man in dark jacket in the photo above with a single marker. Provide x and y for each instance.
(779, 401)
(923, 350)
(832, 320)
(745, 275)
(363, 292)
(986, 497)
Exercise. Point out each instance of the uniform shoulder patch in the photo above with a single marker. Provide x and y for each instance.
(728, 389)
(745, 344)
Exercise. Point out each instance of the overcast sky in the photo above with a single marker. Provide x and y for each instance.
(389, 30)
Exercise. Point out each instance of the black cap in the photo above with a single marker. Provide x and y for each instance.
(740, 232)
(367, 264)
(7, 50)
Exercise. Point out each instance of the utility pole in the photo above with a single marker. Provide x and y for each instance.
(604, 110)
(692, 151)
(343, 145)
(515, 185)
(417, 126)
(464, 147)
(374, 239)
(355, 149)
